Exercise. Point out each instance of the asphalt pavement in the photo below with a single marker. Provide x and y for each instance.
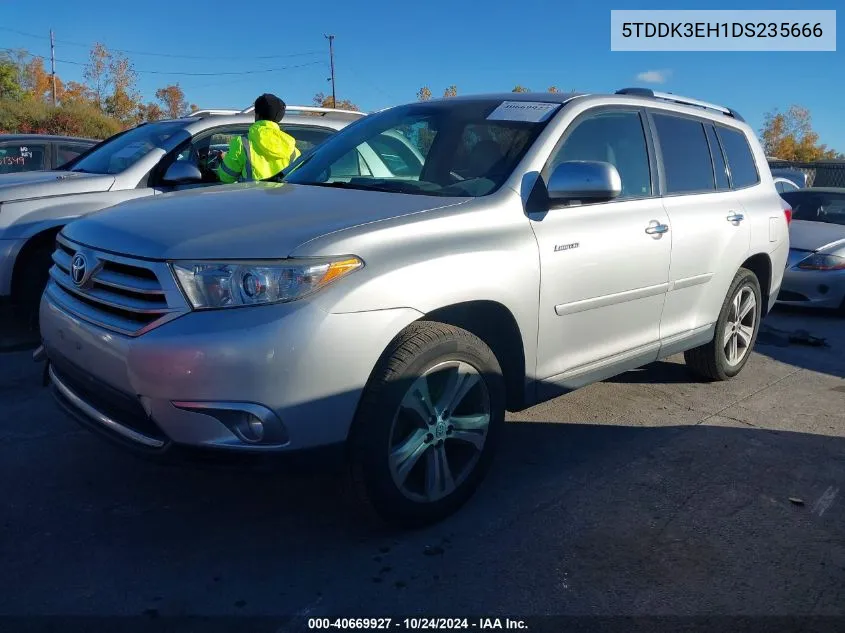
(649, 494)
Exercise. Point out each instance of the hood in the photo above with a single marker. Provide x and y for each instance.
(269, 139)
(242, 221)
(42, 184)
(813, 236)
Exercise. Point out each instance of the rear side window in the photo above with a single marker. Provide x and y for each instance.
(720, 169)
(740, 159)
(686, 155)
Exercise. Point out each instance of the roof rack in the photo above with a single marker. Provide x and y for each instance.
(668, 96)
(312, 110)
(211, 112)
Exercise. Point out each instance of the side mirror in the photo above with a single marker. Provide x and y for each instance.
(180, 173)
(586, 180)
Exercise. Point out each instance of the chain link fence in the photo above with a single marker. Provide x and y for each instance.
(819, 174)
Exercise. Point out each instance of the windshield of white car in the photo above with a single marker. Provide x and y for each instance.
(817, 206)
(461, 148)
(124, 150)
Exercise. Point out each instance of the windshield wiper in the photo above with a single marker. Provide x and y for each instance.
(360, 186)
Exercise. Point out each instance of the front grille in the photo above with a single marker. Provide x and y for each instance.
(788, 295)
(118, 293)
(120, 407)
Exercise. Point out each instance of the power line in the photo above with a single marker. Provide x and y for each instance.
(168, 55)
(183, 73)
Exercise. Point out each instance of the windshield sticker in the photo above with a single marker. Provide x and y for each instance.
(530, 111)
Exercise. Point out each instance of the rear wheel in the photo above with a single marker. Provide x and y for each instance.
(736, 331)
(428, 424)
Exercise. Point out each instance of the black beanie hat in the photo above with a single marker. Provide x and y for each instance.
(269, 107)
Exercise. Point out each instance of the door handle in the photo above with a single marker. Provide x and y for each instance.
(655, 228)
(735, 218)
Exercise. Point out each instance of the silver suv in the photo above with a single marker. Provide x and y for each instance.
(146, 160)
(544, 242)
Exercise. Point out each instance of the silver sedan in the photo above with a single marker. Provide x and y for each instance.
(815, 273)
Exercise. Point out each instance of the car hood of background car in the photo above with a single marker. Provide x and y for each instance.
(241, 221)
(42, 184)
(813, 236)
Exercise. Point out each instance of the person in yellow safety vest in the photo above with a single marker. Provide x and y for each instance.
(265, 150)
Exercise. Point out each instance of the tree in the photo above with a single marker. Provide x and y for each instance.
(150, 112)
(424, 93)
(789, 135)
(10, 87)
(519, 88)
(173, 100)
(75, 92)
(451, 91)
(124, 100)
(326, 101)
(194, 107)
(553, 89)
(96, 73)
(38, 82)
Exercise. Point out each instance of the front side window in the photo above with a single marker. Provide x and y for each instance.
(124, 150)
(740, 158)
(399, 154)
(687, 165)
(18, 157)
(614, 137)
(457, 148)
(207, 148)
(66, 152)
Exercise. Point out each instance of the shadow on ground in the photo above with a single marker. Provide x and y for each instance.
(574, 518)
(810, 339)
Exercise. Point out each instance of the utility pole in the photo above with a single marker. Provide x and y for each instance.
(53, 64)
(330, 38)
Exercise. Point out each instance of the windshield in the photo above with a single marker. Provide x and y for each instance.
(817, 206)
(124, 150)
(446, 148)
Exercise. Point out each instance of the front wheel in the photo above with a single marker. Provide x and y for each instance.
(428, 424)
(736, 331)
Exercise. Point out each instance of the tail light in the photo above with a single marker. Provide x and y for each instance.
(787, 211)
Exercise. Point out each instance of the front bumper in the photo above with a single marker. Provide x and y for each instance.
(202, 380)
(813, 288)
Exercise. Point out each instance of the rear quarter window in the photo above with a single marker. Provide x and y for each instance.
(740, 158)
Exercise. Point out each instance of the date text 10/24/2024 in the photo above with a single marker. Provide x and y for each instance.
(416, 624)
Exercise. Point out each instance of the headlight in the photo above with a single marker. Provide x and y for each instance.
(822, 261)
(233, 284)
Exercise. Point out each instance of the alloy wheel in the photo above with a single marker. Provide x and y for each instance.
(740, 326)
(439, 430)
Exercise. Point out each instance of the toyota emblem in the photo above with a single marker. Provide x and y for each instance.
(79, 269)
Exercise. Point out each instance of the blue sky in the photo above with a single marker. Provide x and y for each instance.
(385, 50)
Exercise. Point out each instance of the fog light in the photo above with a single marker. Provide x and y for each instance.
(823, 289)
(250, 423)
(256, 429)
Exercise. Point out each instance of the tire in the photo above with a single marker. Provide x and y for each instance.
(30, 281)
(717, 360)
(396, 454)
